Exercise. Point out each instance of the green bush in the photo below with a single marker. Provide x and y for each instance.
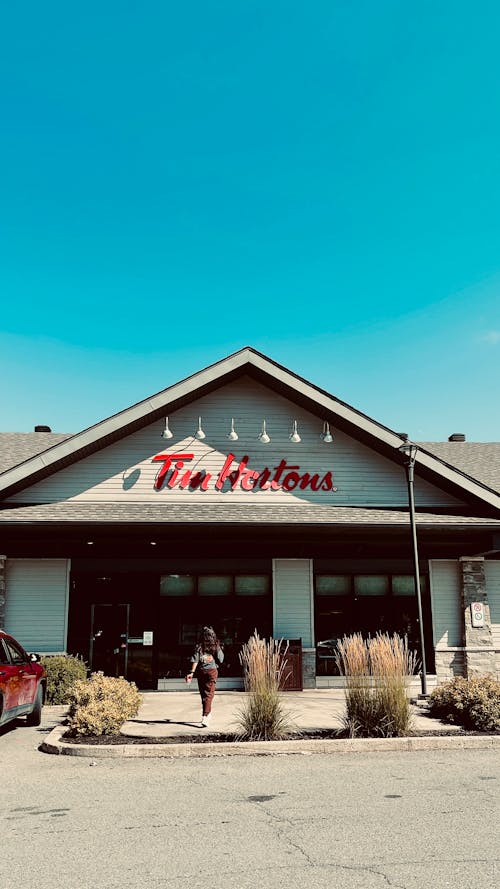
(263, 717)
(472, 703)
(100, 705)
(62, 671)
(377, 672)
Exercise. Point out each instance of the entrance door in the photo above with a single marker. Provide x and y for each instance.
(109, 626)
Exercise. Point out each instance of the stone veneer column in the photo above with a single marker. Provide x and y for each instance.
(478, 641)
(3, 562)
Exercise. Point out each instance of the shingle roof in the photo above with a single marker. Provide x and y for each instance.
(16, 447)
(480, 460)
(470, 469)
(221, 513)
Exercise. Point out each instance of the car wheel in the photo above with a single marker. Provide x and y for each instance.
(35, 717)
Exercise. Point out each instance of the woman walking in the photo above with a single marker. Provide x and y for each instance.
(204, 662)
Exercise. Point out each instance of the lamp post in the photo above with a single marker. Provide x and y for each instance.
(409, 451)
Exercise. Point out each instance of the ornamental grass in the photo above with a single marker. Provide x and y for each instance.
(377, 672)
(263, 716)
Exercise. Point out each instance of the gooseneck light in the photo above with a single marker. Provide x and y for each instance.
(199, 434)
(294, 436)
(167, 433)
(263, 436)
(326, 435)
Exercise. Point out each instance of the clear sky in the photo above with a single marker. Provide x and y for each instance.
(318, 180)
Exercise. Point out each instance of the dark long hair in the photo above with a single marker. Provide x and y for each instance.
(208, 642)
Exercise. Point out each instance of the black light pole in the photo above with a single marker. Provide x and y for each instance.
(410, 451)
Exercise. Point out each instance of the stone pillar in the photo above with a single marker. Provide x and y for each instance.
(449, 664)
(3, 563)
(478, 641)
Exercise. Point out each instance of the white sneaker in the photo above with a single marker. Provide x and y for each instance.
(206, 719)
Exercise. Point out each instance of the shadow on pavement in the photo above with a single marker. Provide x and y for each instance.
(163, 722)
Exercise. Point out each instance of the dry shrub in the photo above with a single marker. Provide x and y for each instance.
(100, 705)
(377, 672)
(473, 703)
(263, 717)
(62, 671)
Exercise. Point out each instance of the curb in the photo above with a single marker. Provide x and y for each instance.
(55, 745)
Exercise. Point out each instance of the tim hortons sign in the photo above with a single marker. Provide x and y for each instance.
(285, 477)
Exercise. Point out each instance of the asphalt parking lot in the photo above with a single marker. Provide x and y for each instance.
(406, 819)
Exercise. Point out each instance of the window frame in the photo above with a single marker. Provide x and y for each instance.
(232, 594)
(390, 594)
(11, 645)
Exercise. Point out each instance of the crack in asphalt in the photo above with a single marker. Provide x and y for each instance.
(162, 882)
(306, 866)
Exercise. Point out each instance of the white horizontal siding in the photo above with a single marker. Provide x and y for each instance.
(492, 574)
(125, 471)
(36, 603)
(292, 600)
(446, 603)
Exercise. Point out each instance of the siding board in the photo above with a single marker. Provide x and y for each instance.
(492, 573)
(446, 603)
(292, 600)
(36, 603)
(125, 471)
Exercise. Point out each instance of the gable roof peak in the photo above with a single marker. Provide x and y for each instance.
(266, 371)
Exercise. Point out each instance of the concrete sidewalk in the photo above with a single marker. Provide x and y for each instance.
(174, 714)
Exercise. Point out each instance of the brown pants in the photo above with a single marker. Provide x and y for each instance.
(206, 685)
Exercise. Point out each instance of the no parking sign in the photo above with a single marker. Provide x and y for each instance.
(477, 614)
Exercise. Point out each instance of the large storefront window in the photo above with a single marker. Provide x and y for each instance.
(234, 604)
(142, 620)
(366, 604)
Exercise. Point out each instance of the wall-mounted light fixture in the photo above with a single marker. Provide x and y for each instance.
(294, 435)
(263, 436)
(167, 433)
(199, 434)
(232, 435)
(326, 435)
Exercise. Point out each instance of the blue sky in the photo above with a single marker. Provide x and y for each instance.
(320, 181)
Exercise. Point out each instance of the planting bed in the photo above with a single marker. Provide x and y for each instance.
(326, 734)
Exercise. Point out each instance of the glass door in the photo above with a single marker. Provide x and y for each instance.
(109, 630)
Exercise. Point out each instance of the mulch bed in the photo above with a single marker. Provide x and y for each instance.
(328, 734)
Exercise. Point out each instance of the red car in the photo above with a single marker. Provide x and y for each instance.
(22, 682)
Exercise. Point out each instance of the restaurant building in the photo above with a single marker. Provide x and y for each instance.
(247, 498)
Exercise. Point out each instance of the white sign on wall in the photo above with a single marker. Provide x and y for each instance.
(477, 614)
(147, 637)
